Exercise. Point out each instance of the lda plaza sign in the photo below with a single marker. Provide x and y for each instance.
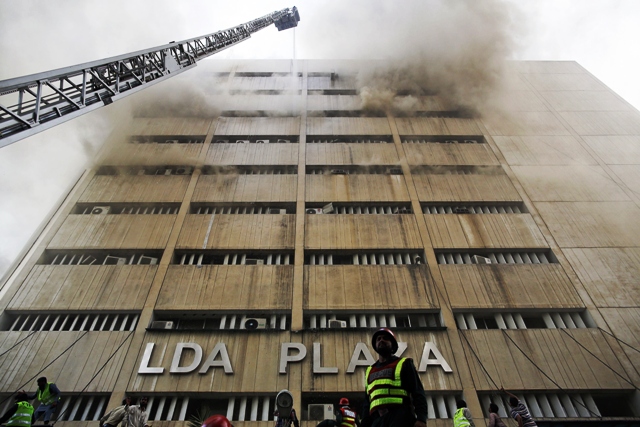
(290, 352)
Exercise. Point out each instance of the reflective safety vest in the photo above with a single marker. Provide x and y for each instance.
(348, 417)
(384, 385)
(459, 420)
(45, 397)
(23, 415)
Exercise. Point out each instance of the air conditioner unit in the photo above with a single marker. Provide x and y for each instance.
(461, 210)
(470, 141)
(417, 259)
(100, 210)
(401, 211)
(222, 141)
(242, 141)
(395, 171)
(253, 324)
(328, 208)
(254, 261)
(337, 324)
(450, 141)
(118, 260)
(319, 412)
(262, 141)
(161, 325)
(477, 259)
(283, 141)
(277, 211)
(314, 211)
(184, 170)
(339, 172)
(171, 141)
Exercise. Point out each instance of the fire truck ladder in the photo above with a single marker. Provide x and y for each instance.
(41, 101)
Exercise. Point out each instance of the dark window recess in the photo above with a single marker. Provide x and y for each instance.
(458, 170)
(332, 92)
(318, 406)
(250, 170)
(126, 209)
(69, 321)
(256, 113)
(400, 320)
(525, 320)
(444, 139)
(345, 113)
(145, 170)
(199, 258)
(484, 256)
(363, 257)
(263, 139)
(357, 209)
(209, 321)
(474, 208)
(353, 170)
(99, 257)
(264, 92)
(274, 208)
(351, 139)
(439, 114)
(167, 139)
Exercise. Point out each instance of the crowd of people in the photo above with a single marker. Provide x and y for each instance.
(394, 391)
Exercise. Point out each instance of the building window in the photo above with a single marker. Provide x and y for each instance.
(474, 208)
(79, 407)
(363, 258)
(332, 92)
(197, 408)
(566, 405)
(363, 139)
(126, 209)
(209, 321)
(69, 321)
(99, 257)
(271, 208)
(319, 406)
(250, 170)
(268, 139)
(400, 321)
(503, 257)
(358, 209)
(353, 170)
(167, 139)
(446, 139)
(199, 258)
(524, 320)
(145, 170)
(345, 113)
(457, 170)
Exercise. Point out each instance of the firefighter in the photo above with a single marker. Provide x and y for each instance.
(20, 414)
(394, 390)
(48, 395)
(345, 416)
(462, 417)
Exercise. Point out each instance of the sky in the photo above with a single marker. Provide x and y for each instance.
(37, 36)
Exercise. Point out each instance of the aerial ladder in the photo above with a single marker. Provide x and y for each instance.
(41, 101)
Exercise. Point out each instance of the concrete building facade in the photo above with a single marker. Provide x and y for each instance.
(210, 262)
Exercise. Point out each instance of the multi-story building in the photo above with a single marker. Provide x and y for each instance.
(210, 262)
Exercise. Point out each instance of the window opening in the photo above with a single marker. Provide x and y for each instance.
(520, 256)
(474, 208)
(409, 257)
(199, 258)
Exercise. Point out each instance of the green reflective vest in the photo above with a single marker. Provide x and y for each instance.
(459, 420)
(45, 397)
(23, 415)
(384, 385)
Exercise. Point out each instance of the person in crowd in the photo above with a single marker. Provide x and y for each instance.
(519, 411)
(116, 415)
(137, 415)
(462, 417)
(494, 418)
